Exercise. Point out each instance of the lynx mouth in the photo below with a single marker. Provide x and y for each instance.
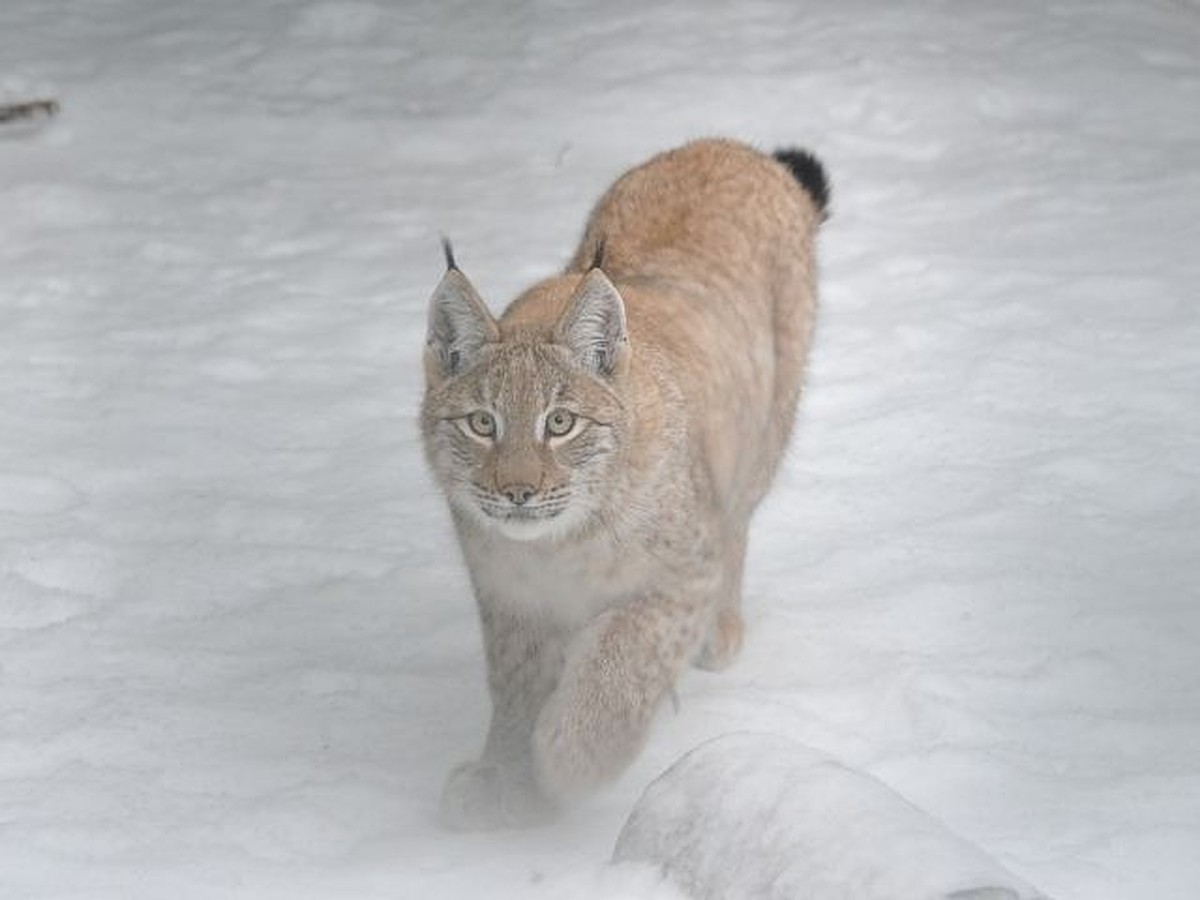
(521, 514)
(550, 514)
(541, 509)
(525, 525)
(549, 519)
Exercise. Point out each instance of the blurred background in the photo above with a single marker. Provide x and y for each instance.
(238, 652)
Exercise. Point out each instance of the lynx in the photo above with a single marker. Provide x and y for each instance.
(602, 446)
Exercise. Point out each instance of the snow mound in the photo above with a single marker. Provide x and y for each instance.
(759, 816)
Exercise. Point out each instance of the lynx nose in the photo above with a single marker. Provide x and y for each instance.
(518, 493)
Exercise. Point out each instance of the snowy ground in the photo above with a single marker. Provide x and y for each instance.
(237, 651)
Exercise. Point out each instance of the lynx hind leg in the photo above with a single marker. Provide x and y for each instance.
(723, 640)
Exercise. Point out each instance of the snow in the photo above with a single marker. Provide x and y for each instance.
(238, 653)
(757, 816)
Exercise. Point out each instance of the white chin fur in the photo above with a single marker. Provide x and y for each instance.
(529, 529)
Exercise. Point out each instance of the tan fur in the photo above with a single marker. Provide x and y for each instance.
(682, 360)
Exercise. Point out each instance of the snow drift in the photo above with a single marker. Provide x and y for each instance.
(759, 817)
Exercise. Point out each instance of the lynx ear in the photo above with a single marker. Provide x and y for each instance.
(593, 326)
(459, 325)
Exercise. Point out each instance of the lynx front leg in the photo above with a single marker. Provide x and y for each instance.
(499, 790)
(616, 673)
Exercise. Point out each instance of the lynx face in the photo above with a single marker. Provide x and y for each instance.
(521, 433)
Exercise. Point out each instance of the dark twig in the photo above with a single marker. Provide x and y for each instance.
(11, 112)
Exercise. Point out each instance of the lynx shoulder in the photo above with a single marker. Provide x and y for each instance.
(602, 446)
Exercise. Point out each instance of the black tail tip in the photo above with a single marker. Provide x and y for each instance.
(810, 173)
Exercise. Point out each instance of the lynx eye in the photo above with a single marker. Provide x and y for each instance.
(559, 422)
(482, 423)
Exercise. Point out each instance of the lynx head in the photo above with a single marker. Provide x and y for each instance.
(523, 424)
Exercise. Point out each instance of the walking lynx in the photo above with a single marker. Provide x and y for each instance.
(602, 446)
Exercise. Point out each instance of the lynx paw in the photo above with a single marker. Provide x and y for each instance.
(483, 796)
(724, 641)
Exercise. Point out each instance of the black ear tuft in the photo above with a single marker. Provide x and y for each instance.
(448, 250)
(598, 256)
